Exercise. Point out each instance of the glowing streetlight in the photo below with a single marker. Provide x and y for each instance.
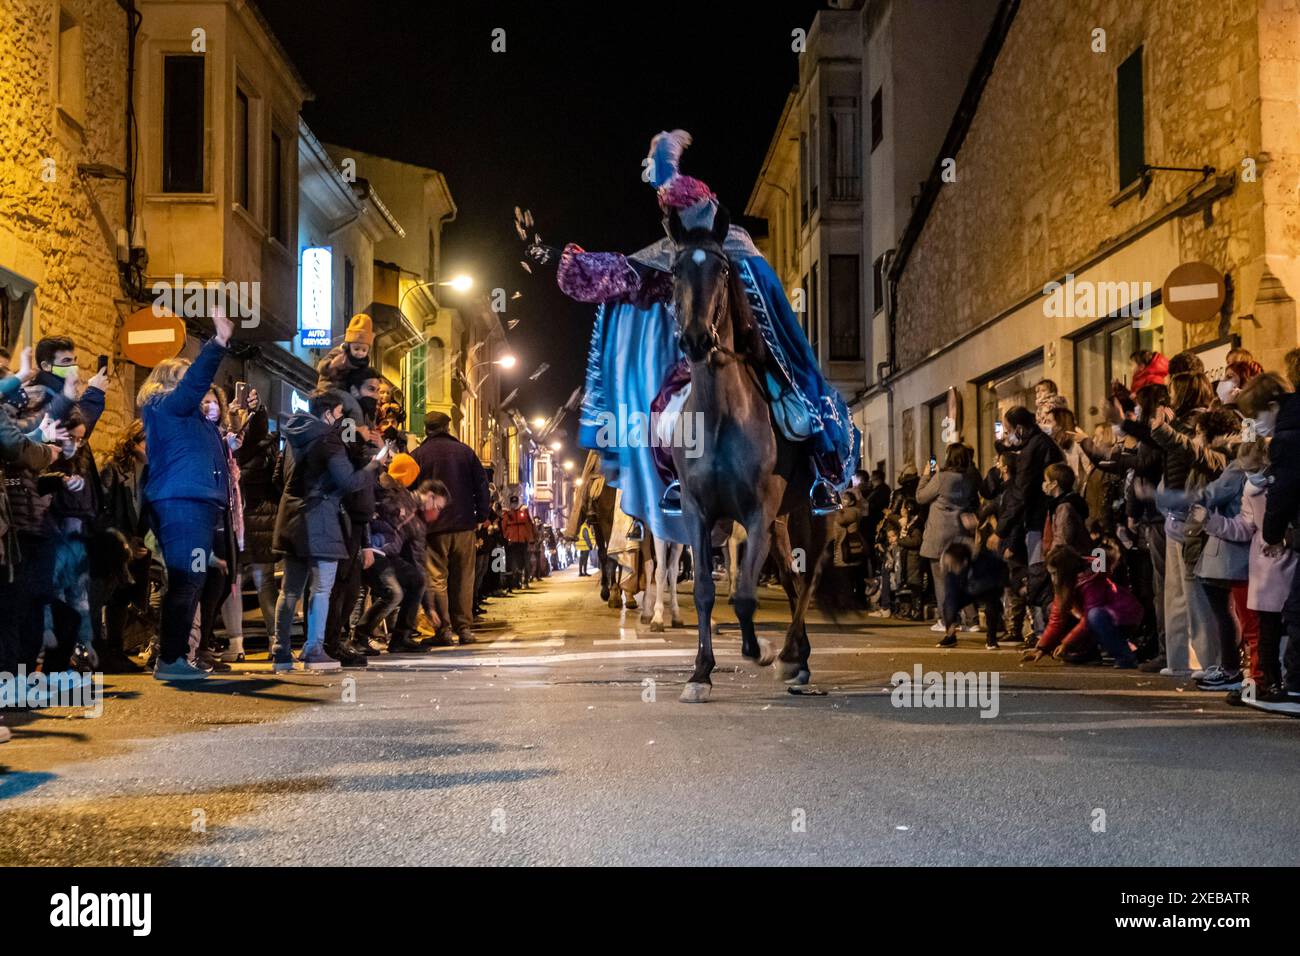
(555, 446)
(506, 361)
(578, 482)
(539, 422)
(460, 283)
(568, 465)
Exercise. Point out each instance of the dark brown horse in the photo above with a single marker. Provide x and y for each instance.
(745, 470)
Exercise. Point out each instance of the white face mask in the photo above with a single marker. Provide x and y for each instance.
(1263, 428)
(1227, 391)
(213, 412)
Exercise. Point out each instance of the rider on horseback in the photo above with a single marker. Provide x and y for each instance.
(636, 363)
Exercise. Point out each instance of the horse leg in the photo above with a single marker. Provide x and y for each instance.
(751, 646)
(660, 574)
(819, 533)
(698, 687)
(780, 538)
(675, 569)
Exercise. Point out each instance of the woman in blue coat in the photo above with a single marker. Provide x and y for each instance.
(186, 490)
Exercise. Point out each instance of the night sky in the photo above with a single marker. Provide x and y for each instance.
(558, 123)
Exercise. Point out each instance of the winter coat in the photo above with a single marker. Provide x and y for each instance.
(1067, 525)
(950, 494)
(1024, 505)
(122, 500)
(843, 524)
(22, 454)
(1269, 578)
(456, 465)
(1155, 373)
(187, 457)
(1284, 456)
(317, 474)
(1222, 558)
(259, 488)
(517, 526)
(1068, 621)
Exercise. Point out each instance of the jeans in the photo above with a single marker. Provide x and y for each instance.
(1219, 597)
(298, 573)
(184, 530)
(1107, 633)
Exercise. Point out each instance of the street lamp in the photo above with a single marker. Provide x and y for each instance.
(555, 446)
(539, 422)
(460, 283)
(568, 465)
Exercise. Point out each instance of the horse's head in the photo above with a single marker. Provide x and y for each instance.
(703, 289)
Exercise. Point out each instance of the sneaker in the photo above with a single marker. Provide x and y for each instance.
(316, 659)
(949, 640)
(991, 646)
(282, 665)
(209, 661)
(879, 612)
(972, 628)
(178, 670)
(401, 644)
(466, 637)
(1200, 674)
(938, 627)
(349, 655)
(1217, 679)
(441, 639)
(1156, 665)
(1170, 672)
(234, 652)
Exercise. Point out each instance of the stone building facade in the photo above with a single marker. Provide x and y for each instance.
(62, 96)
(1038, 192)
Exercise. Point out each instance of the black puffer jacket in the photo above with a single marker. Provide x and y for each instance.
(1024, 505)
(1178, 461)
(1283, 503)
(260, 490)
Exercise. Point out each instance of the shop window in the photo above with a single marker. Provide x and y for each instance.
(1102, 356)
(1000, 392)
(1130, 120)
(182, 139)
(845, 322)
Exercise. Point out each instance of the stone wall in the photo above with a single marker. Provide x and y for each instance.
(64, 229)
(1037, 173)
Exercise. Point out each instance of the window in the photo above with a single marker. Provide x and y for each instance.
(182, 139)
(878, 284)
(877, 118)
(814, 331)
(935, 412)
(846, 148)
(241, 149)
(1129, 118)
(803, 180)
(72, 68)
(845, 325)
(279, 221)
(1102, 355)
(814, 163)
(349, 287)
(1000, 392)
(803, 313)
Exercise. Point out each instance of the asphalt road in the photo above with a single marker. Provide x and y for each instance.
(562, 742)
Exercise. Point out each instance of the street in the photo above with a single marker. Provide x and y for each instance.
(559, 740)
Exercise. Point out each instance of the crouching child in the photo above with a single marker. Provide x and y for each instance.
(974, 577)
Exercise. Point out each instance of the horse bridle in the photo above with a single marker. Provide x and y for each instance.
(716, 253)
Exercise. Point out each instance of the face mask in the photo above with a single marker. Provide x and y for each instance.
(357, 362)
(1227, 391)
(62, 371)
(69, 450)
(1262, 429)
(1259, 479)
(213, 414)
(369, 405)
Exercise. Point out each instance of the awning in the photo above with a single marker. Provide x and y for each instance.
(394, 327)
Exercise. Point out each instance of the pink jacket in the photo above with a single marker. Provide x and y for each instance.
(1270, 578)
(1068, 625)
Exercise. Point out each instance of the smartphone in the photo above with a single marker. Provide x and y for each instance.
(241, 394)
(997, 429)
(103, 362)
(933, 461)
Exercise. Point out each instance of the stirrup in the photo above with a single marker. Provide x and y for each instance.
(825, 499)
(671, 501)
(637, 531)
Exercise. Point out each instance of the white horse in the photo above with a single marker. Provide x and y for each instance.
(663, 578)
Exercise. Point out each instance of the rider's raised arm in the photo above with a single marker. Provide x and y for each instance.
(595, 276)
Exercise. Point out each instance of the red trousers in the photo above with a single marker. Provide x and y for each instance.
(1248, 621)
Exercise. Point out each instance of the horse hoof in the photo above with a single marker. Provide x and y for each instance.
(787, 670)
(695, 693)
(656, 626)
(799, 679)
(766, 652)
(678, 622)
